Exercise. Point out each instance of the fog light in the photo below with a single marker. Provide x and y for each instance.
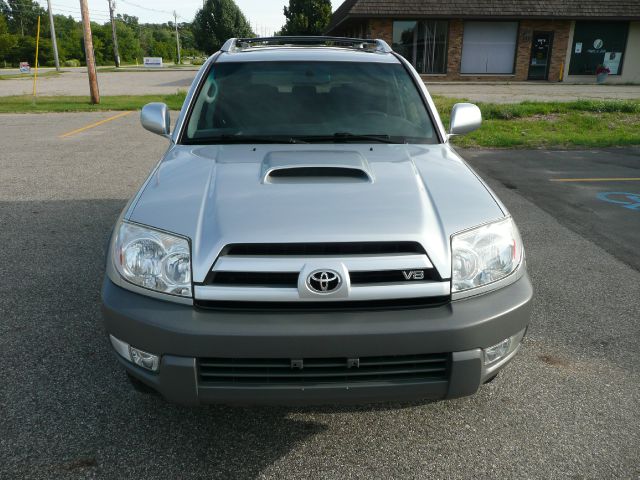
(497, 352)
(136, 356)
(121, 347)
(144, 359)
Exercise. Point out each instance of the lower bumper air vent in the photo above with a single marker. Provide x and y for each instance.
(323, 371)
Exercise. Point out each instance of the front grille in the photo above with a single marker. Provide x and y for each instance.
(323, 371)
(254, 279)
(304, 249)
(290, 279)
(375, 275)
(333, 306)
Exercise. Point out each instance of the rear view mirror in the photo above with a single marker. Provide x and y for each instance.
(465, 118)
(155, 117)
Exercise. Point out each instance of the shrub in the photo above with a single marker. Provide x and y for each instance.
(72, 63)
(197, 61)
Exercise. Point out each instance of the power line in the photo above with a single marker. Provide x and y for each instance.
(149, 9)
(26, 3)
(75, 7)
(93, 15)
(25, 10)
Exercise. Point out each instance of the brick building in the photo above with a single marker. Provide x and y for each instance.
(503, 40)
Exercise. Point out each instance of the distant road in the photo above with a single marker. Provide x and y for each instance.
(141, 81)
(129, 81)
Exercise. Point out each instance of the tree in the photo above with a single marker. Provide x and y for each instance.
(128, 42)
(22, 16)
(306, 17)
(218, 21)
(7, 41)
(135, 40)
(70, 38)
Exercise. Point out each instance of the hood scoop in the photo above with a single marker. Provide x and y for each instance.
(315, 167)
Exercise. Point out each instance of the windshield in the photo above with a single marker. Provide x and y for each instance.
(308, 102)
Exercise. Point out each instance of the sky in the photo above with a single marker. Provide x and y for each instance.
(265, 15)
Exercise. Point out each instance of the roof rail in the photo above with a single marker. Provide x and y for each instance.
(240, 44)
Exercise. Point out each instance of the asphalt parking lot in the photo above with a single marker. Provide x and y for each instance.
(595, 192)
(567, 407)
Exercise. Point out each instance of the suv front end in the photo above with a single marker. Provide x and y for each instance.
(304, 241)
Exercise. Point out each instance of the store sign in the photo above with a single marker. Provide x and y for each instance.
(153, 62)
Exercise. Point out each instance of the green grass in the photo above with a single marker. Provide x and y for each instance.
(582, 123)
(27, 104)
(14, 76)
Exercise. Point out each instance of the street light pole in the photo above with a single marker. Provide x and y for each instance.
(53, 37)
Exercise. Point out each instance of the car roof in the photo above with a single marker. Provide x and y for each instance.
(306, 48)
(308, 54)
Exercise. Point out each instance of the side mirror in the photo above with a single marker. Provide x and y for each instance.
(465, 118)
(155, 117)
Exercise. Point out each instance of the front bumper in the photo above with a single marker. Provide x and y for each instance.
(183, 334)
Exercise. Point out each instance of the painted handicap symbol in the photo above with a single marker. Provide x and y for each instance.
(625, 199)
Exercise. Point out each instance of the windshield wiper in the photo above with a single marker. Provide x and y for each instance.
(244, 139)
(345, 137)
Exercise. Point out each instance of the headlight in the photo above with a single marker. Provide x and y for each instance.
(153, 259)
(485, 254)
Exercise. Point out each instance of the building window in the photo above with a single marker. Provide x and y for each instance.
(423, 43)
(598, 43)
(489, 47)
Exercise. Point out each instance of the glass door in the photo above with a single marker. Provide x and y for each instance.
(540, 55)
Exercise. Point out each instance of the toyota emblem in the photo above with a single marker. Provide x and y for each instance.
(324, 281)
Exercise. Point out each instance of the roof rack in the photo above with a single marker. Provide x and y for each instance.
(239, 44)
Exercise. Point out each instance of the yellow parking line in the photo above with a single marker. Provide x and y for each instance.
(93, 125)
(616, 179)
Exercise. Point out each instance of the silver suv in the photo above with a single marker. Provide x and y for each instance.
(310, 236)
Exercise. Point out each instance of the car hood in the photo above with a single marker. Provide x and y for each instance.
(225, 194)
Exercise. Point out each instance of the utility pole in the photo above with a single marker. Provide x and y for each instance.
(88, 52)
(175, 20)
(53, 37)
(116, 53)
